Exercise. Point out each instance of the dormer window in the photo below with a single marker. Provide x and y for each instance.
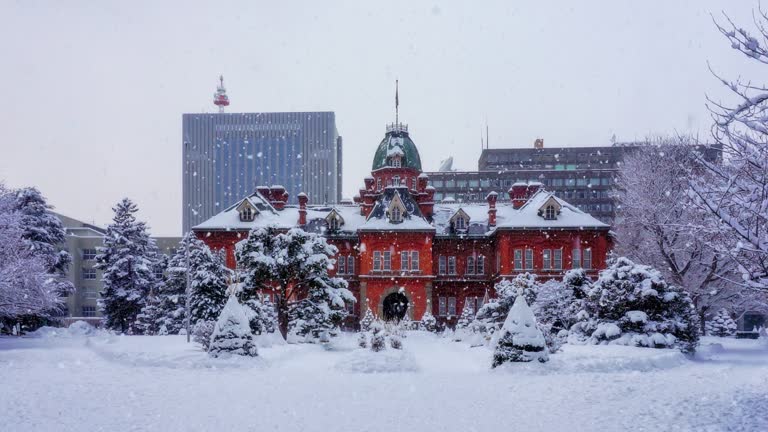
(247, 211)
(397, 215)
(550, 209)
(461, 223)
(334, 221)
(396, 181)
(395, 162)
(550, 213)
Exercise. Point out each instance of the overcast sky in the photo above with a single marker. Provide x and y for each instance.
(93, 92)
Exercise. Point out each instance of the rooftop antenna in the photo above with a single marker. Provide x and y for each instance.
(487, 138)
(397, 102)
(482, 143)
(220, 98)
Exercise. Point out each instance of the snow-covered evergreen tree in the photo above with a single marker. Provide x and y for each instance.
(232, 334)
(558, 302)
(261, 314)
(722, 324)
(149, 320)
(128, 268)
(368, 318)
(378, 341)
(294, 265)
(467, 316)
(428, 321)
(632, 304)
(493, 313)
(26, 286)
(202, 331)
(208, 283)
(520, 338)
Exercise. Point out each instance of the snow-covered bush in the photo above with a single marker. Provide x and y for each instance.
(521, 340)
(428, 321)
(466, 317)
(631, 304)
(261, 315)
(368, 318)
(395, 342)
(722, 324)
(493, 313)
(232, 334)
(202, 331)
(362, 340)
(378, 341)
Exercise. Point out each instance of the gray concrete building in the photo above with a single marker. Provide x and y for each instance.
(227, 155)
(583, 176)
(82, 239)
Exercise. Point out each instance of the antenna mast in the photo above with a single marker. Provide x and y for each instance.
(397, 102)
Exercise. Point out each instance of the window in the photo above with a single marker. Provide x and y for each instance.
(341, 264)
(396, 181)
(378, 184)
(581, 182)
(441, 306)
(518, 259)
(587, 264)
(558, 256)
(550, 213)
(461, 183)
(474, 183)
(333, 224)
(89, 254)
(89, 311)
(451, 306)
(461, 224)
(557, 182)
(570, 182)
(605, 181)
(376, 260)
(452, 265)
(437, 183)
(395, 162)
(594, 181)
(485, 183)
(576, 258)
(450, 183)
(351, 265)
(387, 261)
(470, 265)
(404, 260)
(546, 255)
(397, 215)
(480, 264)
(414, 183)
(89, 274)
(415, 261)
(529, 259)
(91, 293)
(441, 265)
(246, 215)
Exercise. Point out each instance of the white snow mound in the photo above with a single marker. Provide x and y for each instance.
(386, 361)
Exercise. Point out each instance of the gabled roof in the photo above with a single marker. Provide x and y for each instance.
(413, 220)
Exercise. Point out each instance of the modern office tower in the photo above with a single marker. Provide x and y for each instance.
(227, 155)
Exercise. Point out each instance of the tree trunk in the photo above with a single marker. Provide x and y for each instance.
(282, 315)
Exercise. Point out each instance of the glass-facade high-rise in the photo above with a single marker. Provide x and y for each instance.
(226, 155)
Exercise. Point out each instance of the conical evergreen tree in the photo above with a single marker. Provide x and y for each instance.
(126, 262)
(368, 318)
(428, 321)
(521, 340)
(493, 313)
(232, 334)
(722, 324)
(467, 316)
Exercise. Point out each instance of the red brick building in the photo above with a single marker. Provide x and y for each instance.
(398, 247)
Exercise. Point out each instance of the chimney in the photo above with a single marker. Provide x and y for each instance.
(491, 198)
(519, 193)
(278, 197)
(539, 143)
(263, 191)
(303, 198)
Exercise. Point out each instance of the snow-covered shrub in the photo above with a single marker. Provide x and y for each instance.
(722, 324)
(494, 312)
(631, 304)
(378, 341)
(368, 318)
(462, 325)
(362, 340)
(395, 342)
(428, 321)
(262, 315)
(521, 339)
(232, 334)
(202, 331)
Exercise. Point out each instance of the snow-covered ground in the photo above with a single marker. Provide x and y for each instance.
(68, 382)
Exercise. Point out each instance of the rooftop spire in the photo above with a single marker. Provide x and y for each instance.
(220, 98)
(397, 101)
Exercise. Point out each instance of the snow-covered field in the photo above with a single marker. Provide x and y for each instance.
(161, 383)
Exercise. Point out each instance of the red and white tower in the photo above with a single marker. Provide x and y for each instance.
(220, 98)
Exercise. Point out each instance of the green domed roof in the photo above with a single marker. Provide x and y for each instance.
(397, 141)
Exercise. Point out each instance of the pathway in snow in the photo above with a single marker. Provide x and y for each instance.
(161, 383)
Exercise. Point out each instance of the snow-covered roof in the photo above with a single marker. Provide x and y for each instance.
(507, 217)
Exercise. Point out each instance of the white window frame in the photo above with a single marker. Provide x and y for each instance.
(546, 256)
(451, 306)
(441, 265)
(470, 265)
(415, 261)
(376, 260)
(350, 265)
(404, 260)
(480, 263)
(576, 258)
(89, 273)
(557, 256)
(452, 265)
(587, 259)
(387, 258)
(341, 265)
(518, 259)
(528, 259)
(442, 306)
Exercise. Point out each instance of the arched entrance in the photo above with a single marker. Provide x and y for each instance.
(395, 306)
